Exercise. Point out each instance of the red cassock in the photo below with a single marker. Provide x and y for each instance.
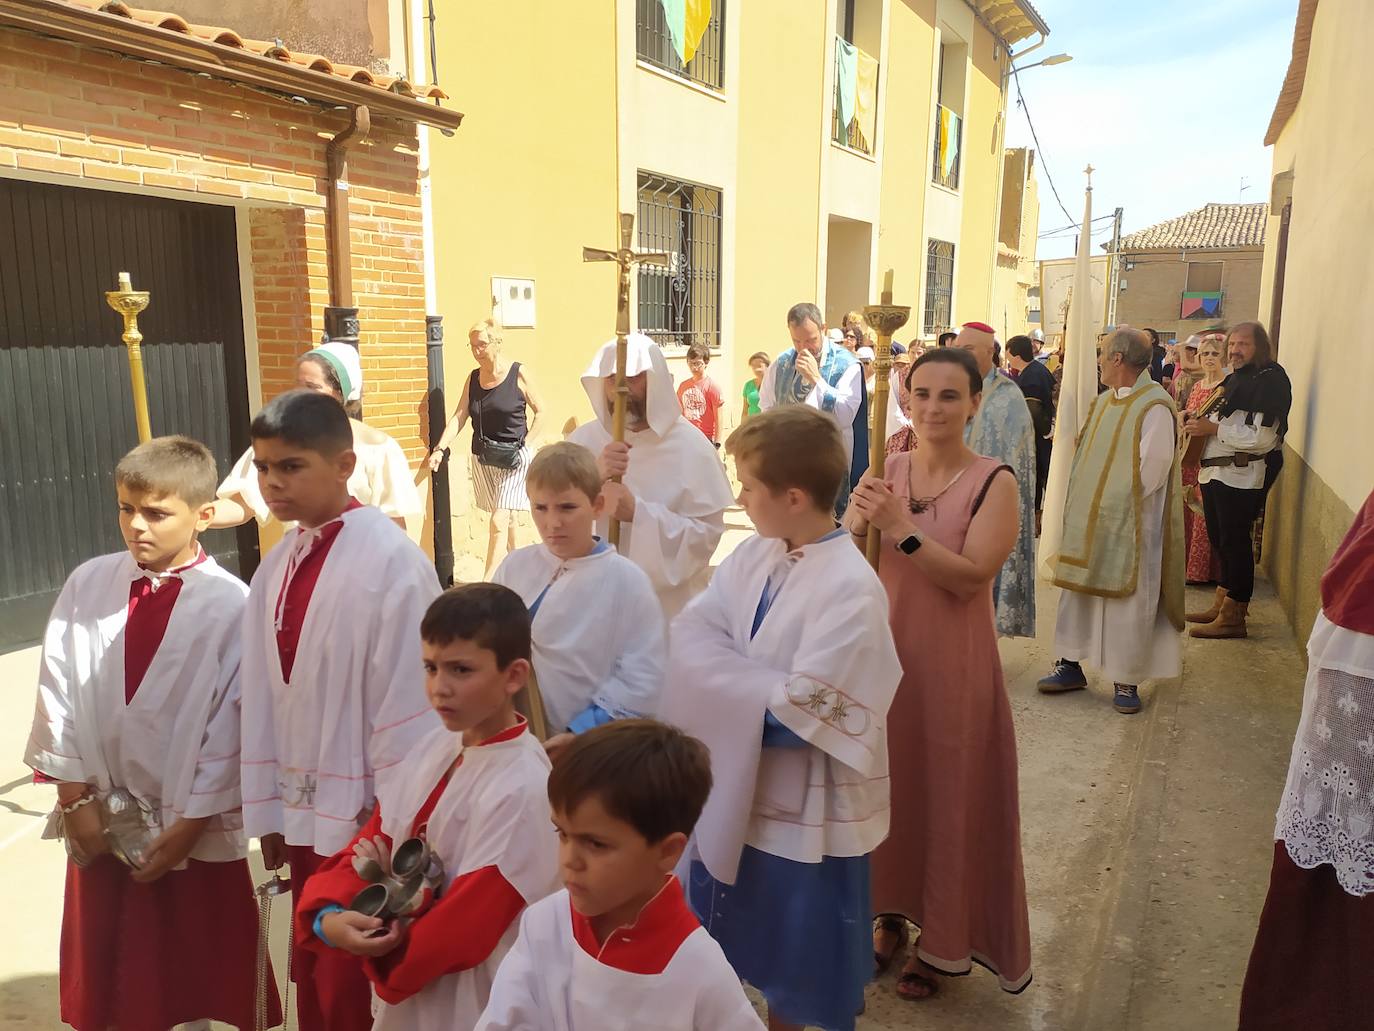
(146, 957)
(151, 705)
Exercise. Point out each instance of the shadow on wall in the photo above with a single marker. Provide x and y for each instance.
(1305, 521)
(29, 1003)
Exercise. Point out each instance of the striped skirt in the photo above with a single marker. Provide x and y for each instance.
(494, 489)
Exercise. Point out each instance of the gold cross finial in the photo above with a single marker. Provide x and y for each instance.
(1089, 171)
(626, 258)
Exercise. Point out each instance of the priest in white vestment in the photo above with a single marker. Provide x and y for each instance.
(1121, 558)
(672, 503)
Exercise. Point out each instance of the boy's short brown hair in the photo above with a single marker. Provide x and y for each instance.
(489, 615)
(645, 773)
(565, 466)
(178, 466)
(305, 419)
(793, 446)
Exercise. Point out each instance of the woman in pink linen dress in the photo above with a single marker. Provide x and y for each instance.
(952, 862)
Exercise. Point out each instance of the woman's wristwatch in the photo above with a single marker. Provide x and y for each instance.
(910, 544)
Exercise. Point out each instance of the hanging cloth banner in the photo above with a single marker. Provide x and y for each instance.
(1200, 304)
(846, 79)
(942, 114)
(687, 22)
(949, 142)
(866, 95)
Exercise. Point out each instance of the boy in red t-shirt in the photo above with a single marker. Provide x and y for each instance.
(699, 396)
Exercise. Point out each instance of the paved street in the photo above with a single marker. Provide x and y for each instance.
(1146, 839)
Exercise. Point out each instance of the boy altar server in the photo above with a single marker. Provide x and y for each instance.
(475, 790)
(619, 950)
(138, 690)
(599, 647)
(672, 503)
(331, 699)
(790, 693)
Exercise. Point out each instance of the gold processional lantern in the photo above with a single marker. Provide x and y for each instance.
(885, 319)
(129, 302)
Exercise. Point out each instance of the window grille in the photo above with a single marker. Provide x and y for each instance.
(654, 45)
(680, 304)
(939, 286)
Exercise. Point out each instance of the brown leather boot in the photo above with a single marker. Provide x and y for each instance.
(1208, 615)
(1229, 623)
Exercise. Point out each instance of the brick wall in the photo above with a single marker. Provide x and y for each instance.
(1156, 283)
(87, 116)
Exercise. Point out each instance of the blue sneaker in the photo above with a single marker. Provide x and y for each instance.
(1127, 699)
(1066, 676)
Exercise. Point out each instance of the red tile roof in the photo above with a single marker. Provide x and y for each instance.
(227, 53)
(1213, 227)
(229, 38)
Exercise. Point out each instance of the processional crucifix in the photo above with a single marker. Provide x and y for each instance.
(625, 258)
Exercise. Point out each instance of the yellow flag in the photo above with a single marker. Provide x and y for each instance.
(698, 17)
(866, 96)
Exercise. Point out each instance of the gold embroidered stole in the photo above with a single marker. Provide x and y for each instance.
(1100, 549)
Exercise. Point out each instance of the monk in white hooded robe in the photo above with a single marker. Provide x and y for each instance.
(674, 496)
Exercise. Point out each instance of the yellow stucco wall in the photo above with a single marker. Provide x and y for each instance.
(979, 178)
(526, 182)
(1327, 473)
(781, 144)
(1017, 272)
(1326, 293)
(906, 153)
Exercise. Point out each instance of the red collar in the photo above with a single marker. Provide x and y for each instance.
(509, 734)
(648, 945)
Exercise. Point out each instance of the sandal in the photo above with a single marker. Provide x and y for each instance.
(915, 986)
(892, 925)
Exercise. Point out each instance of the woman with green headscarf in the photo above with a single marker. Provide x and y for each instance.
(382, 477)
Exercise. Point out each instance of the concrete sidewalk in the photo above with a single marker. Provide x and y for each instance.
(1147, 842)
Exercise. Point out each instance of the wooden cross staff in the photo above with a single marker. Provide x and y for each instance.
(626, 258)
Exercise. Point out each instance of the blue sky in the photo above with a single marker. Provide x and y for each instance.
(1168, 99)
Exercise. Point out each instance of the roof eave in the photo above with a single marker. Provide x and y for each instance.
(150, 43)
(1017, 19)
(1296, 77)
(1191, 248)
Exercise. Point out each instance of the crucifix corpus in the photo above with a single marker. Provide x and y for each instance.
(625, 258)
(885, 319)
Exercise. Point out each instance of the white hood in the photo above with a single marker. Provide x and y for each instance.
(641, 355)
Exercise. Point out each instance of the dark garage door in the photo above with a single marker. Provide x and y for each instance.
(66, 413)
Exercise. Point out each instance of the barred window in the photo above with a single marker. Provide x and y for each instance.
(939, 286)
(679, 305)
(654, 44)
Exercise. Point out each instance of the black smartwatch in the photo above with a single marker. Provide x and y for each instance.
(909, 545)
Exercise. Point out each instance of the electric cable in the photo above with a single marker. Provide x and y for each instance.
(1021, 103)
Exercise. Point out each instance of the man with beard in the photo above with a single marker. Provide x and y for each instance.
(672, 501)
(1239, 463)
(822, 375)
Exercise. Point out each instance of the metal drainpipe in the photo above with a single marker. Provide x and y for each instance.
(438, 417)
(341, 317)
(437, 405)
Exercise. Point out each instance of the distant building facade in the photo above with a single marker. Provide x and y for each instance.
(1193, 272)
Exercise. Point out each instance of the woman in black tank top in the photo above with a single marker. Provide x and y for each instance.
(499, 399)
